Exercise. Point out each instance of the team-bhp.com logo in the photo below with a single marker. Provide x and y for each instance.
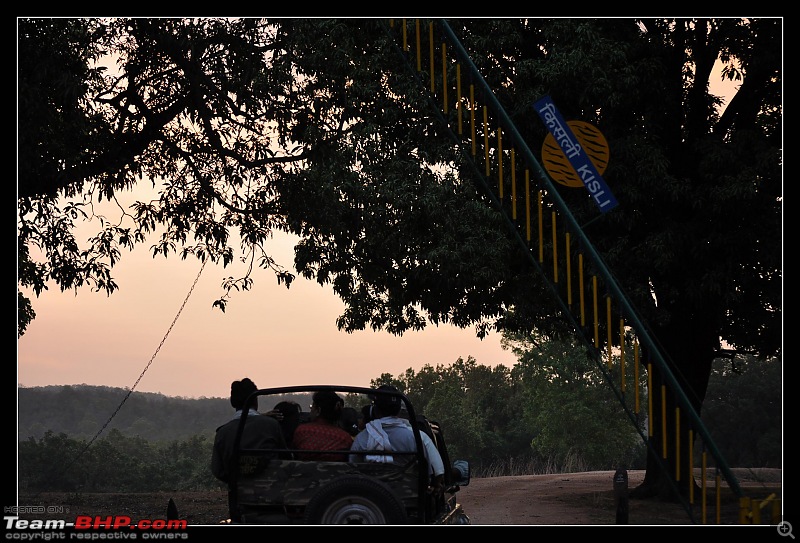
(97, 527)
(86, 522)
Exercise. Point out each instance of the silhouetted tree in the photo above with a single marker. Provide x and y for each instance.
(315, 127)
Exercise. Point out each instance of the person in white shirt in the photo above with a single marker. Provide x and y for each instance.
(389, 433)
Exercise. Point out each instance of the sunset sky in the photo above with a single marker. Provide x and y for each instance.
(273, 335)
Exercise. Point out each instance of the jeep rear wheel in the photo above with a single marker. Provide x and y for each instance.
(355, 500)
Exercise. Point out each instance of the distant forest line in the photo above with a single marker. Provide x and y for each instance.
(504, 421)
(80, 411)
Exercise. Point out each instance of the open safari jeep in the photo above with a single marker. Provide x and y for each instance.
(271, 488)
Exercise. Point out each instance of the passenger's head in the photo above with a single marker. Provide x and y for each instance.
(291, 417)
(349, 420)
(290, 410)
(240, 390)
(327, 405)
(386, 405)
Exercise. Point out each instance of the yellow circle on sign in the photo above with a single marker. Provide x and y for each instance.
(592, 142)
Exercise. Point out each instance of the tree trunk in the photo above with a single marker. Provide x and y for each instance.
(690, 350)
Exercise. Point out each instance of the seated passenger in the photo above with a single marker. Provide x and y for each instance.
(349, 420)
(387, 432)
(260, 432)
(287, 413)
(323, 432)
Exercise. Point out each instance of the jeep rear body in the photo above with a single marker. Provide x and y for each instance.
(272, 487)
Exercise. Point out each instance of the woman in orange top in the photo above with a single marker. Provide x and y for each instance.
(323, 432)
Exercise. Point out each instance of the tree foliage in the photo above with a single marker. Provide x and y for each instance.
(115, 463)
(552, 411)
(317, 127)
(745, 399)
(313, 127)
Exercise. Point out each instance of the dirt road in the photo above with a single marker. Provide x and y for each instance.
(588, 498)
(560, 499)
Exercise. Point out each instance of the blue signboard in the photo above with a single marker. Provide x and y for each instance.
(578, 159)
